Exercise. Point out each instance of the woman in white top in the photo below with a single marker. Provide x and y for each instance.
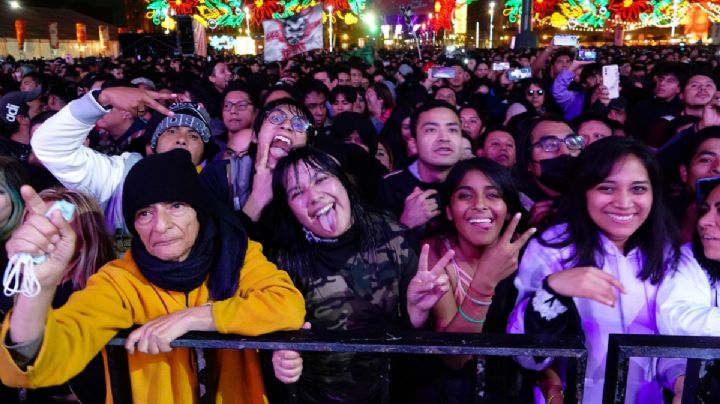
(596, 272)
(688, 299)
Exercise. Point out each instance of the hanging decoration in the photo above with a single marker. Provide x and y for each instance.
(605, 15)
(81, 33)
(263, 10)
(230, 13)
(629, 10)
(20, 33)
(513, 9)
(210, 13)
(543, 7)
(53, 33)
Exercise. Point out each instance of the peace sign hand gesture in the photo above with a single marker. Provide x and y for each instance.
(500, 259)
(427, 286)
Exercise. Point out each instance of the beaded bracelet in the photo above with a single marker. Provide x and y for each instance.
(468, 318)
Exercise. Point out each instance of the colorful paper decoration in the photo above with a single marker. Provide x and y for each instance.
(599, 15)
(20, 33)
(231, 13)
(81, 33)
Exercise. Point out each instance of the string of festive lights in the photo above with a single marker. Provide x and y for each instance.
(231, 13)
(598, 15)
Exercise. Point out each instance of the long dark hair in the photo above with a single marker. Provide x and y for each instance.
(290, 248)
(498, 176)
(657, 237)
(710, 266)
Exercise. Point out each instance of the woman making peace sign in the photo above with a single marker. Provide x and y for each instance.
(477, 256)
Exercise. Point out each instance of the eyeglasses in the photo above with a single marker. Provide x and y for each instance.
(552, 144)
(240, 105)
(297, 123)
(530, 93)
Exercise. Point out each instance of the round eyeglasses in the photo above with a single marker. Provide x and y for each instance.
(297, 123)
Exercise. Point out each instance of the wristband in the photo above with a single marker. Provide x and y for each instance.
(468, 318)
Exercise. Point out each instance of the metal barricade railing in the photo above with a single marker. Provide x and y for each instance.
(621, 347)
(401, 342)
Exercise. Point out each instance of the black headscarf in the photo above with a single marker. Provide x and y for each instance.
(219, 250)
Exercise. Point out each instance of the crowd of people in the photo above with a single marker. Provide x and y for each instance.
(340, 192)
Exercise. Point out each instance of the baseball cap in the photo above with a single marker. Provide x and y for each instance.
(14, 103)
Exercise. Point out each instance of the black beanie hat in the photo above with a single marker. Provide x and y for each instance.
(163, 177)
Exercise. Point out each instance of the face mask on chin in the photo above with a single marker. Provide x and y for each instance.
(555, 173)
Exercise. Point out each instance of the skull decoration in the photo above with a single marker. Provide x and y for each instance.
(294, 29)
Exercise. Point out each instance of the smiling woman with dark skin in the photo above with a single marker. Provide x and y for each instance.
(477, 254)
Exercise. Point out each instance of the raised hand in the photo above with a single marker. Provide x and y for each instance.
(40, 235)
(419, 208)
(588, 282)
(135, 100)
(288, 365)
(500, 259)
(427, 286)
(261, 193)
(711, 113)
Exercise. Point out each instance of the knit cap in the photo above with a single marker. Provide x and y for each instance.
(187, 114)
(162, 177)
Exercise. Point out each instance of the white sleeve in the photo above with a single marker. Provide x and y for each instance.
(685, 305)
(58, 144)
(536, 263)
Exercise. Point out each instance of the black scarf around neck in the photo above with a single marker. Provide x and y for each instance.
(219, 252)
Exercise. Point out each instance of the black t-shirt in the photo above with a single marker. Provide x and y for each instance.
(395, 187)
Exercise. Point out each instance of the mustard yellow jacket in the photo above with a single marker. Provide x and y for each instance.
(118, 296)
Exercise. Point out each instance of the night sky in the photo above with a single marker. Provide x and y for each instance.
(111, 11)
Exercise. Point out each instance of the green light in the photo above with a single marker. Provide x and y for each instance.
(369, 20)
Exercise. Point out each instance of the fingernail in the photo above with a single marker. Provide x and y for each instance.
(54, 239)
(533, 230)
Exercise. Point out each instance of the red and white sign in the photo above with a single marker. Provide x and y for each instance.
(285, 38)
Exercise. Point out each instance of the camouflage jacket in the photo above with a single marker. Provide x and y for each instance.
(367, 292)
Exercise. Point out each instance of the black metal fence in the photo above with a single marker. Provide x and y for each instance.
(406, 342)
(621, 347)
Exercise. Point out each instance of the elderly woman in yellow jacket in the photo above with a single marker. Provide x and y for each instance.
(190, 268)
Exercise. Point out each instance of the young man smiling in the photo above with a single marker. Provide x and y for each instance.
(412, 194)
